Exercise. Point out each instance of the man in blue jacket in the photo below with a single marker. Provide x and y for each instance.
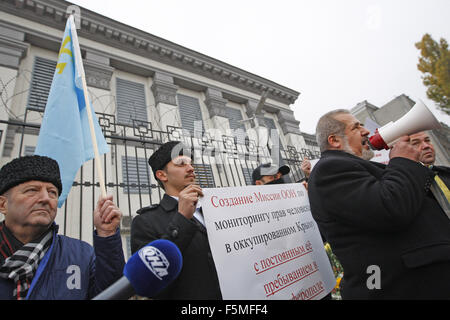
(36, 262)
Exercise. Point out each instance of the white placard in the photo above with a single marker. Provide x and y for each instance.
(313, 162)
(265, 243)
(381, 156)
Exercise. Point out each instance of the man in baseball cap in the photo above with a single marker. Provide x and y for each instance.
(269, 174)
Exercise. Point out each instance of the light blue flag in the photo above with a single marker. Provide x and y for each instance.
(65, 135)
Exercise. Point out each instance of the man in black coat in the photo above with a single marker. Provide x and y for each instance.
(384, 225)
(177, 218)
(422, 142)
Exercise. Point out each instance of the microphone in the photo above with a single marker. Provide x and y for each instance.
(147, 272)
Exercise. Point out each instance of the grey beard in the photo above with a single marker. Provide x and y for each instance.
(367, 154)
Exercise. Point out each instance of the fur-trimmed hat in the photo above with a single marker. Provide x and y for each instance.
(20, 170)
(165, 154)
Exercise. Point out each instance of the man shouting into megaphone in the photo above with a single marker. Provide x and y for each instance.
(384, 224)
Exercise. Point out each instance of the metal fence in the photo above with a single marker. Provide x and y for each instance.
(222, 161)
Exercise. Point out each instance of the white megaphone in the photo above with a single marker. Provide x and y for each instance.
(419, 118)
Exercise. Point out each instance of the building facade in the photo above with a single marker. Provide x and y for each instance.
(146, 91)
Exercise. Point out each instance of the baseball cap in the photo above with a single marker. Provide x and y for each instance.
(268, 169)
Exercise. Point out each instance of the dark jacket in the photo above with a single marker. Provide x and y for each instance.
(384, 216)
(198, 277)
(73, 270)
(443, 173)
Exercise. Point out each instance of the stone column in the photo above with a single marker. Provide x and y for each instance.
(165, 91)
(258, 134)
(98, 70)
(216, 105)
(12, 47)
(291, 129)
(12, 50)
(98, 78)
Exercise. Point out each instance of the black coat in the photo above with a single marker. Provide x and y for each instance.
(444, 174)
(198, 278)
(373, 214)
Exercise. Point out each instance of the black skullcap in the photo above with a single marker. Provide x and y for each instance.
(20, 170)
(268, 170)
(163, 155)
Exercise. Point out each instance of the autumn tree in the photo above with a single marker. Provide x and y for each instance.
(434, 63)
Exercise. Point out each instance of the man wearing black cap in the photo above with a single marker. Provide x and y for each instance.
(177, 218)
(269, 174)
(36, 262)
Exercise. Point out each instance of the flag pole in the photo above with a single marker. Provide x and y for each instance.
(98, 163)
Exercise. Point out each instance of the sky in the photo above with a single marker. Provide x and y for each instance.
(334, 53)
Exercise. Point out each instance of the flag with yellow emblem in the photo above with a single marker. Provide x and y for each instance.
(65, 134)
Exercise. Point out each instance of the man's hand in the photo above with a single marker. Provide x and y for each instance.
(306, 167)
(402, 148)
(106, 217)
(187, 200)
(305, 184)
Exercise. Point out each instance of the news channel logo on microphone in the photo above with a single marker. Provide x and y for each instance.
(160, 261)
(155, 261)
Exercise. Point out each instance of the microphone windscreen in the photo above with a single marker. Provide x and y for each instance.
(153, 267)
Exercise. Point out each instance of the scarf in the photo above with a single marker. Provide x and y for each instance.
(21, 265)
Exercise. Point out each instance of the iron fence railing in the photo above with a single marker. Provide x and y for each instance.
(219, 162)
